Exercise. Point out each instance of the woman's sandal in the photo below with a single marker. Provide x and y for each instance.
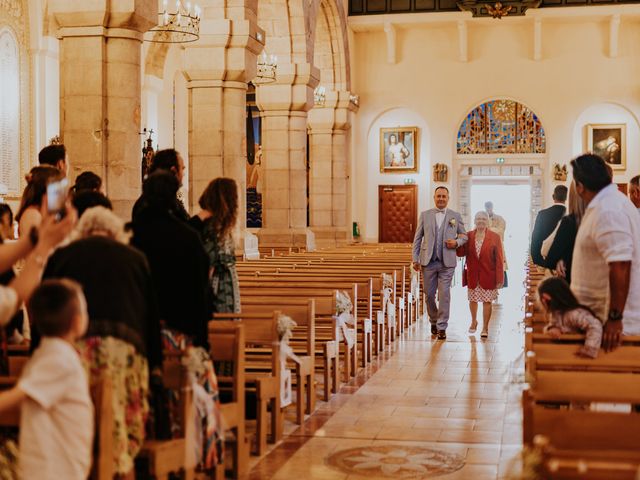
(484, 335)
(473, 329)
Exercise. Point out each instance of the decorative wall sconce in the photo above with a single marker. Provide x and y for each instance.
(179, 26)
(440, 172)
(355, 99)
(267, 66)
(560, 173)
(319, 96)
(55, 140)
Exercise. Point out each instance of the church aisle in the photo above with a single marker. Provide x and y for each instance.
(429, 408)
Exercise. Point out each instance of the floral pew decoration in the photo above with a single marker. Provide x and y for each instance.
(344, 318)
(285, 331)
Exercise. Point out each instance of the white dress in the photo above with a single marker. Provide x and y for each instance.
(479, 294)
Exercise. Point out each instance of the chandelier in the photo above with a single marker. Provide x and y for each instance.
(179, 26)
(267, 66)
(319, 96)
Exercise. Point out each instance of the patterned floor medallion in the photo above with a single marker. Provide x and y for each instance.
(395, 461)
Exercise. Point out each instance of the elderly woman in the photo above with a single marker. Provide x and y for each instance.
(484, 270)
(123, 338)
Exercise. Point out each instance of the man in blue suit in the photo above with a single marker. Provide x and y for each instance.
(440, 231)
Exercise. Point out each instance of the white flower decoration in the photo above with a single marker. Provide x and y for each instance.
(395, 461)
(452, 222)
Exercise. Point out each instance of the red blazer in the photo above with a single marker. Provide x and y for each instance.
(488, 270)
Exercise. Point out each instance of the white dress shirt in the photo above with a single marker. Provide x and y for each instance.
(440, 217)
(609, 232)
(56, 420)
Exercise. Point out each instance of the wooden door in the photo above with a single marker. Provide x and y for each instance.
(397, 213)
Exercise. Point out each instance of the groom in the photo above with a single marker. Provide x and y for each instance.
(440, 231)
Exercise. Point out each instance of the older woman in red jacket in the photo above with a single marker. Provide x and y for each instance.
(484, 270)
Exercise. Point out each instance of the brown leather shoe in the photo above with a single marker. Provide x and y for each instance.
(442, 335)
(434, 329)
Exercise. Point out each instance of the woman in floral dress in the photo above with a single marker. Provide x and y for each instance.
(123, 339)
(483, 272)
(221, 199)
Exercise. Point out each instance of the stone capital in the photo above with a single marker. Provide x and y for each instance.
(227, 50)
(334, 114)
(292, 90)
(136, 15)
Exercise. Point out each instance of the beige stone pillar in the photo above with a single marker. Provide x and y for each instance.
(100, 50)
(284, 105)
(218, 68)
(328, 176)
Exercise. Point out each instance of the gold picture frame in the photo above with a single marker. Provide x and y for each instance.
(609, 140)
(399, 150)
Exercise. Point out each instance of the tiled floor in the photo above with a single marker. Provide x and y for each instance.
(460, 396)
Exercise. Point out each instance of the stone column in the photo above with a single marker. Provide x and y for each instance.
(100, 54)
(284, 105)
(328, 156)
(218, 68)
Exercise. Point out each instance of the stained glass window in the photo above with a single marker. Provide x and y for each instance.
(501, 126)
(9, 112)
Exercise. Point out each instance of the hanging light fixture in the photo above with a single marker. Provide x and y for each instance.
(179, 26)
(319, 96)
(267, 66)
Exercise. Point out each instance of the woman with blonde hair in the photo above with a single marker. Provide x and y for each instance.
(560, 253)
(221, 199)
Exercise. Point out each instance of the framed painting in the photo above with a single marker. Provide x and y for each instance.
(399, 150)
(610, 142)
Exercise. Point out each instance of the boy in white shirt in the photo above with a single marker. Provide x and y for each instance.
(56, 414)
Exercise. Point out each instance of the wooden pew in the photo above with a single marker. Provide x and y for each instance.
(303, 343)
(262, 372)
(325, 328)
(227, 343)
(101, 396)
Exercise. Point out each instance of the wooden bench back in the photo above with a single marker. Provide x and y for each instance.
(227, 344)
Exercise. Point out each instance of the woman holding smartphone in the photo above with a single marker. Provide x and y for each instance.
(29, 214)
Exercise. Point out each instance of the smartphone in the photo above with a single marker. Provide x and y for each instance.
(56, 198)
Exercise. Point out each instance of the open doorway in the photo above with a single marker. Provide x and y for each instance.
(512, 200)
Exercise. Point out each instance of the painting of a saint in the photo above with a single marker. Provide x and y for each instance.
(398, 152)
(609, 142)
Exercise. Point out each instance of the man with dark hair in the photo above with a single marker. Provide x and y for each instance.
(606, 258)
(440, 231)
(171, 161)
(546, 222)
(56, 156)
(87, 199)
(87, 181)
(634, 191)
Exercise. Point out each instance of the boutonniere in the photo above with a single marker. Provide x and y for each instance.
(452, 222)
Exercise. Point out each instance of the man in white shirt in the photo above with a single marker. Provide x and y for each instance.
(56, 414)
(606, 257)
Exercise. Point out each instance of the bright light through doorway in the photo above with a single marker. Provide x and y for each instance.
(513, 202)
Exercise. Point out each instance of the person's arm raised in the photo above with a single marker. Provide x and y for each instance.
(50, 235)
(11, 252)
